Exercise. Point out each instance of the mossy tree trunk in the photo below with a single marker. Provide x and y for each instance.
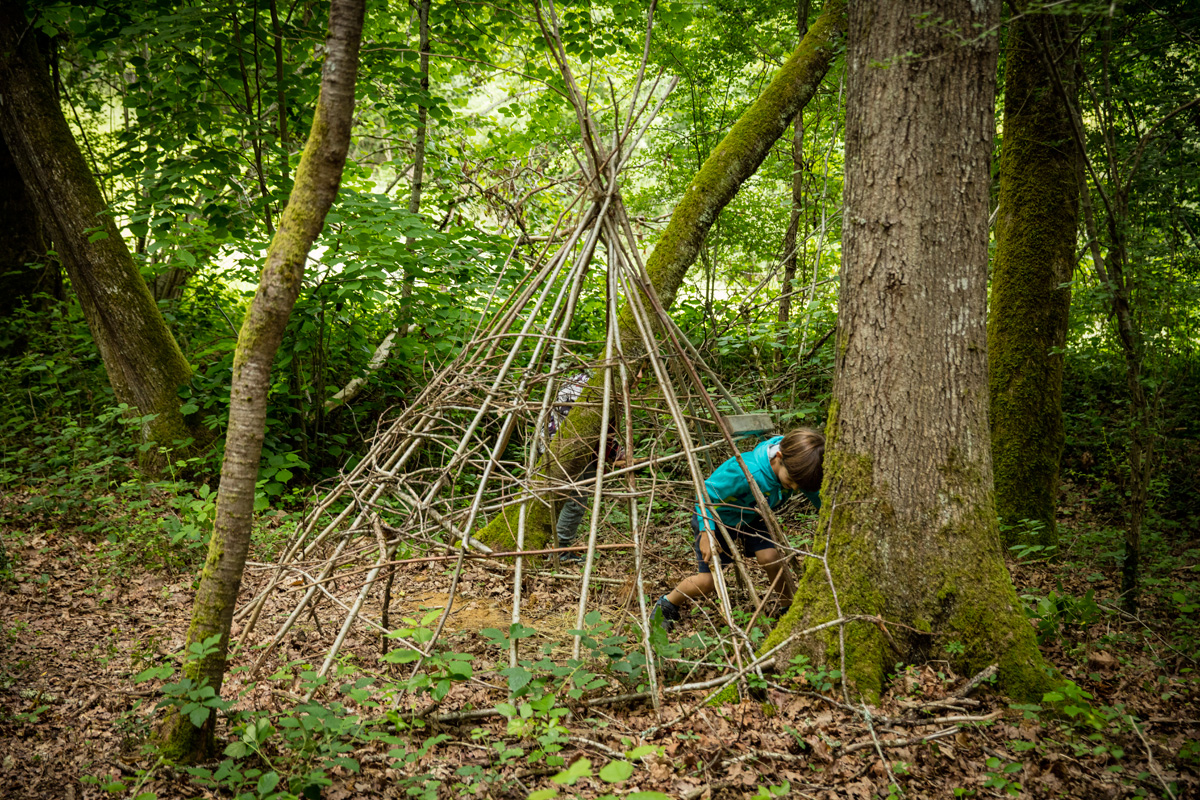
(316, 186)
(733, 161)
(907, 500)
(144, 364)
(1035, 255)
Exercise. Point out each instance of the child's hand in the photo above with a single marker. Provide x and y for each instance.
(706, 548)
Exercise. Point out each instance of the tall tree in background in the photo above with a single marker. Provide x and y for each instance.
(733, 161)
(22, 250)
(908, 523)
(1031, 298)
(790, 250)
(317, 180)
(143, 361)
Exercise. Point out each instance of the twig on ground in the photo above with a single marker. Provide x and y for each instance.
(866, 713)
(947, 702)
(603, 748)
(854, 748)
(983, 675)
(1150, 757)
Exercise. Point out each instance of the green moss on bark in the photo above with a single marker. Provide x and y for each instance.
(738, 156)
(501, 533)
(1035, 238)
(970, 601)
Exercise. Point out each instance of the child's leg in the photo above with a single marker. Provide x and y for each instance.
(702, 583)
(772, 561)
(690, 588)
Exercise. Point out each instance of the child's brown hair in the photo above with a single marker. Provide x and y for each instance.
(802, 451)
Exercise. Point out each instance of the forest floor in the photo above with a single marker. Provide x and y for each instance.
(80, 618)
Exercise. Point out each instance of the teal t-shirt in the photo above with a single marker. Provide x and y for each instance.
(731, 497)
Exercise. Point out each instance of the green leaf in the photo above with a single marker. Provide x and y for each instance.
(643, 751)
(153, 673)
(543, 794)
(647, 796)
(518, 677)
(580, 769)
(267, 783)
(198, 715)
(616, 771)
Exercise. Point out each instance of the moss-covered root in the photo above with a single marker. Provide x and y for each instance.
(984, 619)
(182, 742)
(501, 533)
(946, 592)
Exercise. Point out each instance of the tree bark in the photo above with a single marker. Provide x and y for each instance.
(414, 197)
(733, 161)
(793, 230)
(908, 517)
(1030, 302)
(144, 363)
(21, 250)
(316, 186)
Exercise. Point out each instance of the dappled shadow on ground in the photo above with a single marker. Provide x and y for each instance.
(77, 628)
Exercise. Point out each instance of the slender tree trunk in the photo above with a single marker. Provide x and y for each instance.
(418, 168)
(317, 181)
(734, 160)
(144, 363)
(1035, 255)
(414, 197)
(793, 230)
(280, 96)
(908, 520)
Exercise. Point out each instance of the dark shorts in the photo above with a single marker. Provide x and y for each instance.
(751, 538)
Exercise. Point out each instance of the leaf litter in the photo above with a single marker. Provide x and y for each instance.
(73, 723)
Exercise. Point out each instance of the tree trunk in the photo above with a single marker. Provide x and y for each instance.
(316, 186)
(414, 197)
(21, 251)
(418, 168)
(908, 510)
(790, 255)
(1035, 254)
(734, 160)
(144, 363)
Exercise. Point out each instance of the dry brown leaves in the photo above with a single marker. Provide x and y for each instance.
(74, 634)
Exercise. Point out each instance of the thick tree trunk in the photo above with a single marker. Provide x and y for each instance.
(1035, 253)
(316, 186)
(908, 509)
(144, 363)
(734, 160)
(24, 267)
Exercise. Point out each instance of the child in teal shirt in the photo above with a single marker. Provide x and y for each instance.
(780, 466)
